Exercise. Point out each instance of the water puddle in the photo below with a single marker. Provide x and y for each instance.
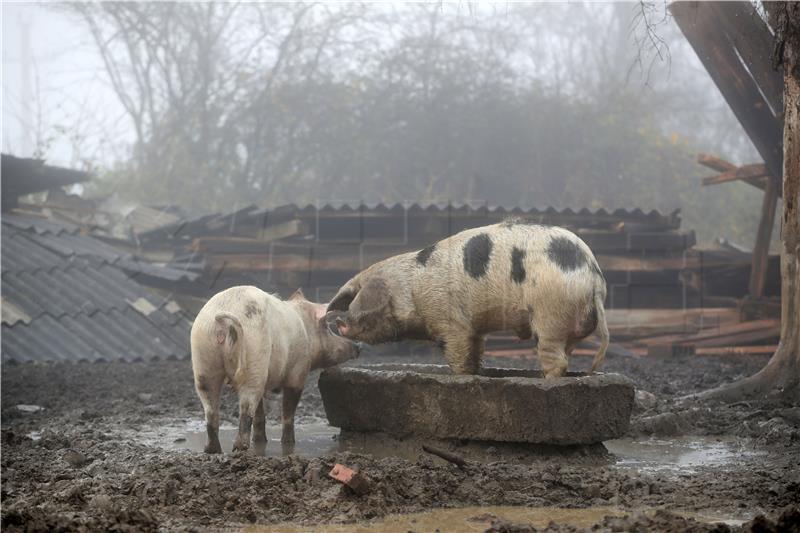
(682, 454)
(463, 519)
(312, 440)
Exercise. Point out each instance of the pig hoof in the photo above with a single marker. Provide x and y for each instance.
(240, 445)
(212, 448)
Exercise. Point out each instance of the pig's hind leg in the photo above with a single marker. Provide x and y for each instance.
(552, 357)
(291, 397)
(260, 423)
(249, 398)
(209, 388)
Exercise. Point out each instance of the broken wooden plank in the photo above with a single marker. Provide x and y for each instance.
(718, 336)
(631, 323)
(669, 350)
(447, 456)
(290, 228)
(760, 349)
(740, 338)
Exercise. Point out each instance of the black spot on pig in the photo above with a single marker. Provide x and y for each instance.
(425, 254)
(476, 255)
(251, 309)
(517, 268)
(566, 254)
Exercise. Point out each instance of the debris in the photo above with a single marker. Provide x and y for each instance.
(145, 396)
(101, 502)
(356, 481)
(447, 456)
(663, 425)
(645, 400)
(26, 408)
(74, 458)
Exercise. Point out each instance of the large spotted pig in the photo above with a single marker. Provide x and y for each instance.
(535, 280)
(259, 343)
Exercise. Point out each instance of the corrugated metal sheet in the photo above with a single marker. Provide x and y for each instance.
(38, 224)
(75, 298)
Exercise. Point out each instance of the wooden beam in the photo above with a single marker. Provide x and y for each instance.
(758, 270)
(700, 25)
(754, 42)
(745, 172)
(756, 175)
(715, 163)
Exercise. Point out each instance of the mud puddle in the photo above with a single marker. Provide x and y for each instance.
(683, 454)
(317, 438)
(462, 519)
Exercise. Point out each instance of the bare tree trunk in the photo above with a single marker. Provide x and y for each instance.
(781, 375)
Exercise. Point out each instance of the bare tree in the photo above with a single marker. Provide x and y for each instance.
(199, 83)
(781, 375)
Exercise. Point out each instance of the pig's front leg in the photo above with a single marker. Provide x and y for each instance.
(463, 352)
(291, 396)
(260, 424)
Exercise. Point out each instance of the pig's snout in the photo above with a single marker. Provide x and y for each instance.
(342, 326)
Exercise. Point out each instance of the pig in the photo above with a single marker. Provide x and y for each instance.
(537, 281)
(259, 343)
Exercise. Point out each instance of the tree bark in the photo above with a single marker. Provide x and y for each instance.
(781, 375)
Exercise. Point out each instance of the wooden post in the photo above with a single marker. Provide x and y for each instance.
(758, 269)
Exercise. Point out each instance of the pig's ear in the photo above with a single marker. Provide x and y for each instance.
(320, 311)
(297, 295)
(374, 295)
(342, 299)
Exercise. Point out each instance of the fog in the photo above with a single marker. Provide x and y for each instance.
(213, 106)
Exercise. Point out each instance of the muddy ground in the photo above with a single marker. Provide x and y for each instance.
(83, 461)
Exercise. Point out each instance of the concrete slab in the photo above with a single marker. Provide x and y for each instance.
(506, 405)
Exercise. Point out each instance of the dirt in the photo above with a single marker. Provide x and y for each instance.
(100, 455)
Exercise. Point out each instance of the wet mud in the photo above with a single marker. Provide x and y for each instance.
(113, 447)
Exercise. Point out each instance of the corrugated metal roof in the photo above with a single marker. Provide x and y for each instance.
(227, 223)
(32, 242)
(74, 298)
